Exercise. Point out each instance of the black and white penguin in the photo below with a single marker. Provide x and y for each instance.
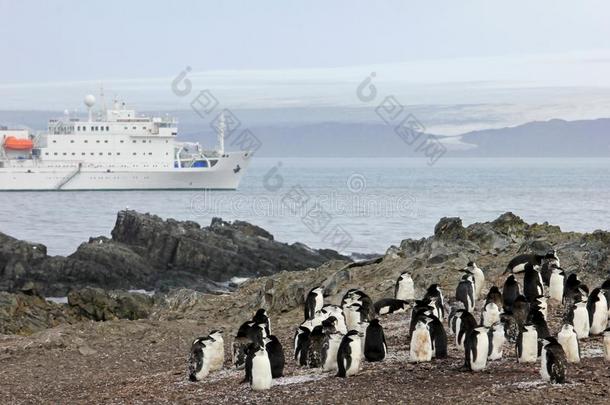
(316, 343)
(375, 348)
(438, 336)
(301, 345)
(578, 316)
(571, 290)
(532, 283)
(606, 289)
(510, 292)
(517, 263)
(479, 278)
(420, 348)
(314, 302)
(553, 363)
(597, 306)
(421, 307)
(607, 344)
(354, 314)
(497, 338)
(521, 310)
(494, 295)
(542, 329)
(387, 306)
(511, 327)
(404, 288)
(258, 368)
(332, 341)
(336, 312)
(465, 323)
(217, 346)
(435, 295)
(199, 360)
(355, 295)
(465, 292)
(556, 282)
(549, 262)
(349, 354)
(540, 304)
(527, 344)
(569, 341)
(249, 332)
(476, 349)
(277, 360)
(490, 314)
(261, 317)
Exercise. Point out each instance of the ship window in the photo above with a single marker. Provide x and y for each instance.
(125, 127)
(118, 153)
(143, 140)
(83, 153)
(166, 141)
(101, 128)
(106, 141)
(109, 153)
(46, 153)
(134, 141)
(72, 141)
(97, 141)
(73, 153)
(143, 127)
(134, 127)
(78, 128)
(64, 153)
(149, 141)
(107, 128)
(84, 129)
(134, 153)
(122, 141)
(86, 141)
(54, 141)
(101, 154)
(97, 128)
(150, 153)
(92, 153)
(92, 128)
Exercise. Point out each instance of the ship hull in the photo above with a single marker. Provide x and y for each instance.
(226, 175)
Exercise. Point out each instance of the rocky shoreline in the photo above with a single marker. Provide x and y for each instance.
(107, 329)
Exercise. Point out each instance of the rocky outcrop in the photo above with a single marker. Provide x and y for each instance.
(146, 252)
(99, 305)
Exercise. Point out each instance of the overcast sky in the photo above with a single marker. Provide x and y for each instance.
(275, 53)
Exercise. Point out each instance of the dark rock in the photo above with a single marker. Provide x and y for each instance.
(449, 229)
(99, 305)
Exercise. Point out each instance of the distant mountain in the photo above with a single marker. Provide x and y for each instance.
(306, 138)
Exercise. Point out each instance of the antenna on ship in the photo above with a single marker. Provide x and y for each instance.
(90, 102)
(221, 134)
(102, 99)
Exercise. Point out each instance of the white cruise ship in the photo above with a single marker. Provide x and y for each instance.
(116, 150)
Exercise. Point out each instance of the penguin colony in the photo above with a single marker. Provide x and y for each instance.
(338, 338)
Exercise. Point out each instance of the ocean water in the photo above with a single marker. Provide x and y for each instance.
(359, 205)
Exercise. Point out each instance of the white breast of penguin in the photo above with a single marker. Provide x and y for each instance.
(482, 345)
(544, 371)
(600, 315)
(406, 289)
(529, 347)
(331, 353)
(581, 320)
(491, 314)
(498, 339)
(569, 341)
(218, 353)
(421, 345)
(607, 345)
(261, 371)
(556, 286)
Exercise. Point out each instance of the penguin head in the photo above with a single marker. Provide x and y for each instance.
(511, 280)
(405, 275)
(606, 285)
(471, 264)
(216, 335)
(498, 328)
(528, 267)
(374, 322)
(567, 327)
(353, 333)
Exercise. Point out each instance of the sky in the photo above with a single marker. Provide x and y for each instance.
(508, 61)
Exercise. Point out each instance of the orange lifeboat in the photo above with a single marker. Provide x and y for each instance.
(13, 143)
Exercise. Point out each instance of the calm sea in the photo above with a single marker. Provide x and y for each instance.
(355, 205)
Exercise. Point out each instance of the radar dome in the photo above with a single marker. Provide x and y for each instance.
(89, 100)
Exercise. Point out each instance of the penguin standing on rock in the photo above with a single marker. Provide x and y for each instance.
(476, 349)
(569, 341)
(527, 344)
(258, 368)
(404, 288)
(277, 360)
(465, 292)
(597, 306)
(532, 283)
(510, 292)
(349, 354)
(553, 362)
(420, 349)
(314, 302)
(375, 348)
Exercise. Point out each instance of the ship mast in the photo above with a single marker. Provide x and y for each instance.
(221, 134)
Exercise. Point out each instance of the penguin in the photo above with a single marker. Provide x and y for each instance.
(597, 306)
(553, 362)
(479, 278)
(569, 341)
(248, 333)
(375, 348)
(532, 283)
(556, 282)
(404, 288)
(332, 340)
(511, 327)
(314, 352)
(490, 314)
(314, 302)
(497, 338)
(422, 307)
(362, 328)
(277, 360)
(217, 346)
(494, 295)
(354, 314)
(578, 316)
(517, 263)
(438, 337)
(607, 344)
(465, 292)
(336, 312)
(199, 360)
(258, 368)
(527, 344)
(349, 354)
(356, 296)
(390, 306)
(606, 288)
(571, 290)
(540, 304)
(435, 295)
(510, 292)
(549, 262)
(261, 317)
(542, 329)
(464, 324)
(476, 349)
(420, 348)
(301, 345)
(521, 310)
(453, 318)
